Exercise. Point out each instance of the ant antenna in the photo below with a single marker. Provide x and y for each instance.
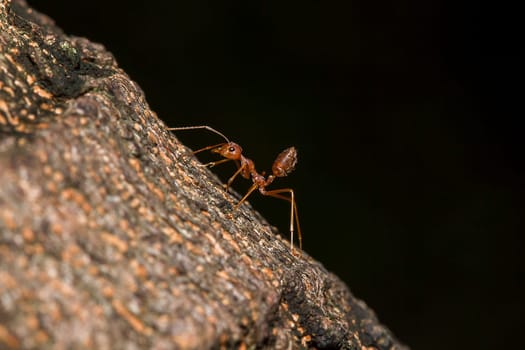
(209, 128)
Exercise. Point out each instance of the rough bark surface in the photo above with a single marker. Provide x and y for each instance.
(112, 236)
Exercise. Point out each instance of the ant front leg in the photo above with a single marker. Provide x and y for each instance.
(212, 164)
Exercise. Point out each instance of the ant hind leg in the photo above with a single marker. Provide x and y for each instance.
(294, 217)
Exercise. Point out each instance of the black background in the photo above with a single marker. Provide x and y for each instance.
(408, 120)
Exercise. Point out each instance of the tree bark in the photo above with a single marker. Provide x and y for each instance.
(113, 237)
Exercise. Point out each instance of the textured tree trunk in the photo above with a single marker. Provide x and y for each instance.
(113, 237)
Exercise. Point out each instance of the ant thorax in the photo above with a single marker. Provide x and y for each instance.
(247, 167)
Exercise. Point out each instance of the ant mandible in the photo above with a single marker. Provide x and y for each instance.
(282, 166)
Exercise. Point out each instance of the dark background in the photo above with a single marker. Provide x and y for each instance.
(408, 120)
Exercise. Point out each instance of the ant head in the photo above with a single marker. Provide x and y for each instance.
(229, 150)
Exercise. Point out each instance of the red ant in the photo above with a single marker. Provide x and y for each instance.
(282, 166)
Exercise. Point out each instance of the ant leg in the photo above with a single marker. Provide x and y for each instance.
(212, 164)
(252, 188)
(293, 212)
(230, 180)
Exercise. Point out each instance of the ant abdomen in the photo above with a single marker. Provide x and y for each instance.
(285, 162)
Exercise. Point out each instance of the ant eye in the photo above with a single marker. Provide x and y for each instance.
(231, 149)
